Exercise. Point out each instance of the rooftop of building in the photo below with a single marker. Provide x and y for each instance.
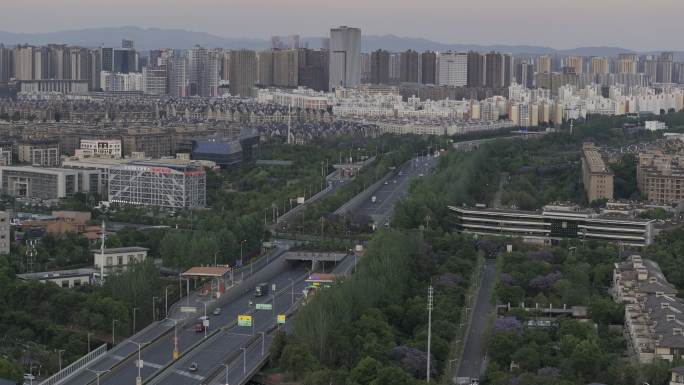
(594, 160)
(57, 274)
(121, 250)
(557, 210)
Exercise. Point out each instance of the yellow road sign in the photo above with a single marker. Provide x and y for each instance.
(244, 320)
(281, 318)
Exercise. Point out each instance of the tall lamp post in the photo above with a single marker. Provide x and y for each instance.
(227, 369)
(154, 305)
(114, 321)
(98, 373)
(59, 357)
(135, 309)
(292, 286)
(241, 243)
(139, 363)
(166, 301)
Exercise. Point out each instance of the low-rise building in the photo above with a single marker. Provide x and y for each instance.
(41, 183)
(118, 258)
(40, 153)
(653, 313)
(63, 278)
(677, 375)
(101, 148)
(655, 125)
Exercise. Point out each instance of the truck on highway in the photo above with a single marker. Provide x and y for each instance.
(261, 289)
(374, 199)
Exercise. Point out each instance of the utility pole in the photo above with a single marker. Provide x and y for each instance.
(430, 295)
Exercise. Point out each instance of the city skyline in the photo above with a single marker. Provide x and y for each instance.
(520, 23)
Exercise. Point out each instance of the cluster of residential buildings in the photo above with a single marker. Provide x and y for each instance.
(339, 63)
(660, 172)
(653, 312)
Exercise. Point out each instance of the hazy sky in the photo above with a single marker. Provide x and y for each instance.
(634, 24)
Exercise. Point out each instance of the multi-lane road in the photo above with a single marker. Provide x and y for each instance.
(120, 361)
(224, 339)
(394, 189)
(241, 348)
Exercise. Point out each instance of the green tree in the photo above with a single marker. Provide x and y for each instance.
(365, 372)
(9, 370)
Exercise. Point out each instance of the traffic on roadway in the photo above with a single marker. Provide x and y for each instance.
(157, 340)
(381, 205)
(244, 344)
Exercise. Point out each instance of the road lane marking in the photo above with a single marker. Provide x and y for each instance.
(189, 375)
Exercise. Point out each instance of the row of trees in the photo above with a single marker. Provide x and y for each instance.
(372, 327)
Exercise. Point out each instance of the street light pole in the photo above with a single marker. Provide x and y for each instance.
(154, 305)
(135, 309)
(244, 360)
(59, 357)
(139, 364)
(88, 336)
(292, 286)
(227, 368)
(429, 308)
(166, 302)
(241, 242)
(205, 320)
(98, 373)
(114, 321)
(263, 342)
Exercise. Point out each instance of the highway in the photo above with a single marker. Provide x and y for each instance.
(227, 345)
(395, 189)
(119, 360)
(474, 352)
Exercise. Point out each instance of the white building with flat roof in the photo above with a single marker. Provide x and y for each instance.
(101, 148)
(655, 125)
(118, 258)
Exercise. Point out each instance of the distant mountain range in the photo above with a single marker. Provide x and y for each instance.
(151, 38)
